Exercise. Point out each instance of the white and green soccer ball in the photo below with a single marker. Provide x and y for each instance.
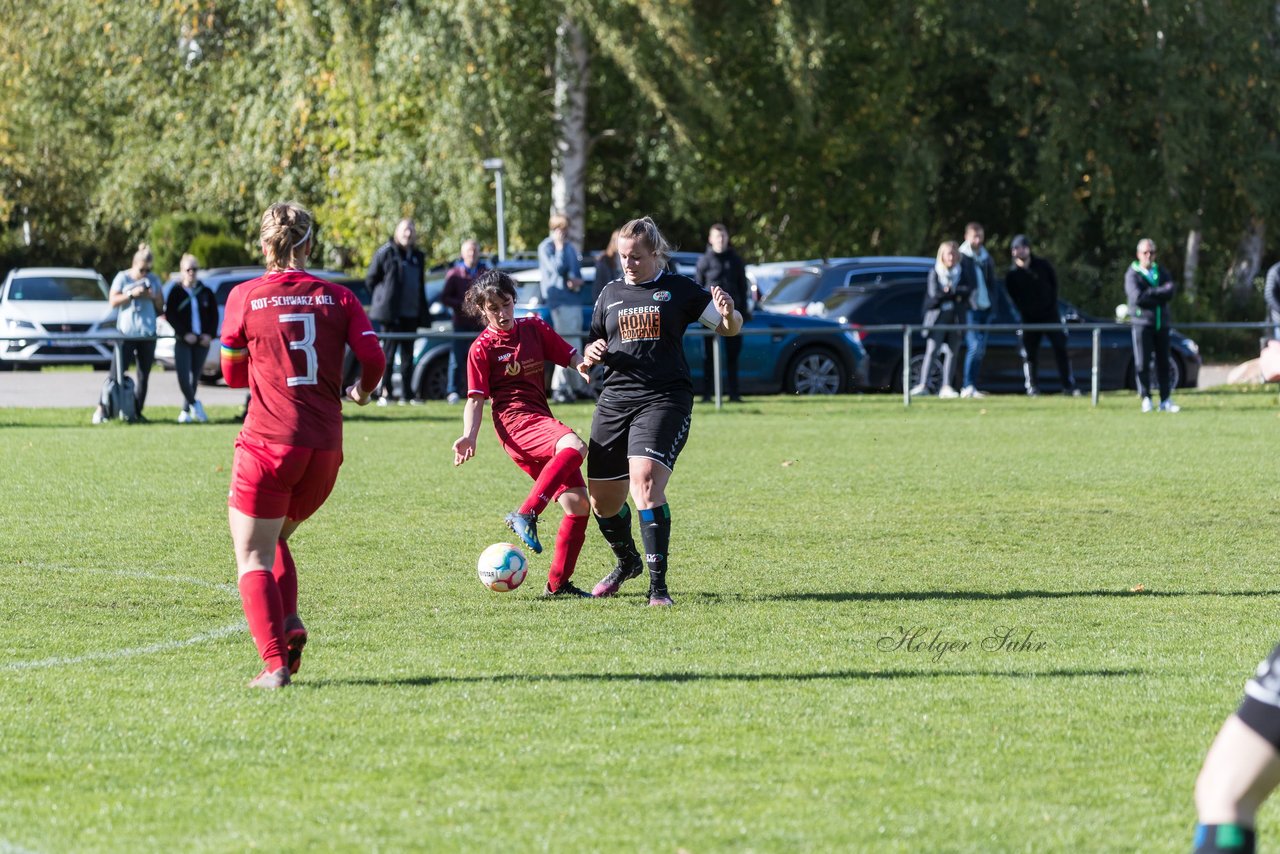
(502, 567)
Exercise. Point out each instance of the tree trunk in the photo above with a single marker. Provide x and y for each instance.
(1191, 263)
(1248, 261)
(569, 157)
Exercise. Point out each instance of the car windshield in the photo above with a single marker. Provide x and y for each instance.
(57, 289)
(798, 287)
(229, 285)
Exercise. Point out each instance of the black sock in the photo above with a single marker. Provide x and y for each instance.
(655, 533)
(1224, 839)
(617, 533)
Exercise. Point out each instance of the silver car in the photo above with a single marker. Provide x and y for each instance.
(39, 302)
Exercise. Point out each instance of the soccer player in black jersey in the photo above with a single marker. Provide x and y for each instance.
(642, 417)
(1242, 767)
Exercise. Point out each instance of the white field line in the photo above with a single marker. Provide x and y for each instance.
(128, 652)
(10, 848)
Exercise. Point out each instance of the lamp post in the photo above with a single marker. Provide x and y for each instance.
(494, 164)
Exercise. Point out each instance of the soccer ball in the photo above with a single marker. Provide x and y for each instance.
(502, 567)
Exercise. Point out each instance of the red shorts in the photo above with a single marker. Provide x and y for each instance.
(270, 480)
(531, 443)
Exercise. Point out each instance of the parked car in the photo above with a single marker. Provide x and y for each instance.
(764, 277)
(780, 353)
(809, 286)
(902, 302)
(38, 301)
(221, 280)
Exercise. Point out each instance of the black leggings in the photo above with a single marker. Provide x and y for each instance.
(1146, 340)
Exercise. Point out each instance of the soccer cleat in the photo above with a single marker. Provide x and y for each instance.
(1146, 404)
(295, 636)
(525, 526)
(947, 392)
(199, 413)
(660, 599)
(277, 678)
(624, 571)
(1169, 406)
(567, 590)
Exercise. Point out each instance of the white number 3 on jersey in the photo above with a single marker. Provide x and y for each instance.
(307, 345)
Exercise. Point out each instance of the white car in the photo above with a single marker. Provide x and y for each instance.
(39, 302)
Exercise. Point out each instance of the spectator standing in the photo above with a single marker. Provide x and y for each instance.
(721, 266)
(986, 290)
(454, 296)
(1149, 288)
(1271, 292)
(192, 311)
(395, 279)
(284, 337)
(560, 271)
(951, 279)
(136, 295)
(1032, 285)
(641, 421)
(608, 267)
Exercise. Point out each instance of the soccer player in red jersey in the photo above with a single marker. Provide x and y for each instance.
(505, 363)
(284, 336)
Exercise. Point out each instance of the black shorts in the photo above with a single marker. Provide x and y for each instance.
(654, 429)
(1260, 710)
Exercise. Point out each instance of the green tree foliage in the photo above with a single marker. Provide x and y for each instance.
(819, 128)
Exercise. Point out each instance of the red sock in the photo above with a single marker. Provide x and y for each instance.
(569, 539)
(285, 572)
(553, 476)
(261, 600)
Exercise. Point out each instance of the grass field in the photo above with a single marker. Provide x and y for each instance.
(774, 709)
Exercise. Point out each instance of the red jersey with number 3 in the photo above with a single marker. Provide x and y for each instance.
(296, 328)
(508, 367)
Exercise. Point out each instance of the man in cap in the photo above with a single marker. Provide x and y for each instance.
(1033, 286)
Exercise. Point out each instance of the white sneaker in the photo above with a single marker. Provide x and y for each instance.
(382, 401)
(1169, 406)
(918, 390)
(452, 398)
(98, 417)
(184, 417)
(970, 391)
(1146, 404)
(198, 414)
(947, 392)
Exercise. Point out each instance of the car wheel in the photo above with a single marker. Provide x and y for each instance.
(815, 371)
(1175, 373)
(431, 380)
(934, 380)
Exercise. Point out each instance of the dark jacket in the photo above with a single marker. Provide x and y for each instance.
(1034, 290)
(1149, 304)
(726, 270)
(454, 295)
(942, 306)
(1271, 292)
(177, 309)
(383, 282)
